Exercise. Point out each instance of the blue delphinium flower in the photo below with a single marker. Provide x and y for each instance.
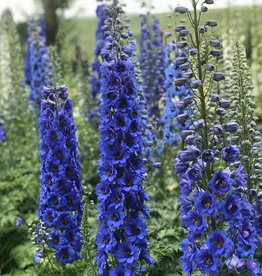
(219, 244)
(152, 64)
(152, 61)
(38, 67)
(60, 195)
(220, 183)
(208, 262)
(230, 153)
(121, 239)
(174, 93)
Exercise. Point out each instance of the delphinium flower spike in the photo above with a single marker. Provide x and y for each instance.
(121, 240)
(177, 98)
(102, 15)
(38, 67)
(60, 210)
(152, 59)
(218, 218)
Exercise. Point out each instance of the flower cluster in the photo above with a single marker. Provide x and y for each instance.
(177, 97)
(121, 239)
(60, 195)
(152, 59)
(102, 15)
(215, 207)
(38, 68)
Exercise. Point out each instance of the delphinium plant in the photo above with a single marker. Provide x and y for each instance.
(121, 240)
(217, 217)
(38, 67)
(57, 65)
(95, 77)
(256, 50)
(19, 155)
(176, 98)
(152, 60)
(152, 63)
(57, 233)
(102, 15)
(248, 138)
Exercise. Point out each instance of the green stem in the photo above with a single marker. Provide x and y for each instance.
(202, 96)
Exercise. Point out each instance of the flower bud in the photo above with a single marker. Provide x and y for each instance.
(188, 100)
(231, 126)
(182, 118)
(210, 67)
(204, 8)
(180, 28)
(190, 140)
(199, 124)
(215, 43)
(180, 81)
(180, 60)
(180, 105)
(196, 84)
(181, 9)
(215, 53)
(211, 23)
(181, 44)
(183, 32)
(214, 97)
(224, 103)
(188, 75)
(193, 51)
(184, 66)
(221, 111)
(218, 76)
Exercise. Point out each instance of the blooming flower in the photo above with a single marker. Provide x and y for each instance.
(208, 262)
(230, 153)
(220, 183)
(219, 244)
(206, 203)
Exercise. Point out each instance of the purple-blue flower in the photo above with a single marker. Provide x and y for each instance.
(220, 183)
(230, 153)
(60, 196)
(208, 262)
(219, 244)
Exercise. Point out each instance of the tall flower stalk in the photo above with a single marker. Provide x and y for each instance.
(102, 15)
(121, 240)
(219, 219)
(38, 67)
(176, 97)
(152, 59)
(61, 208)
